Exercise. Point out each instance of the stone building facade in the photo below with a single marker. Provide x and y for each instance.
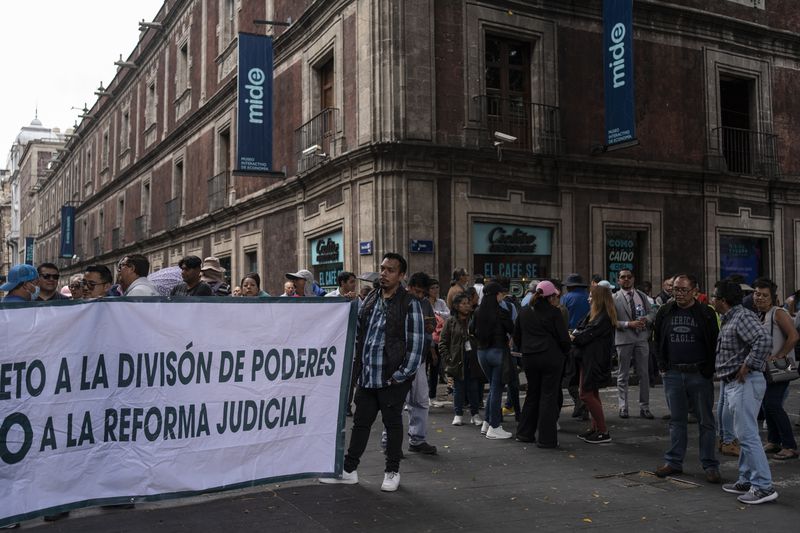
(22, 203)
(403, 97)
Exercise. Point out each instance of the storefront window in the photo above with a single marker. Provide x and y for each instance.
(521, 253)
(744, 256)
(624, 252)
(327, 258)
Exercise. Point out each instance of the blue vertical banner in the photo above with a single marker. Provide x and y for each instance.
(254, 124)
(29, 242)
(618, 69)
(67, 231)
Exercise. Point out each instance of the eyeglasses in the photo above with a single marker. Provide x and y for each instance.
(50, 276)
(91, 284)
(681, 290)
(75, 286)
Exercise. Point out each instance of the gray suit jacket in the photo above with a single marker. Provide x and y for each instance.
(624, 334)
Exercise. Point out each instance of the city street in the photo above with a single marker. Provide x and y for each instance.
(475, 484)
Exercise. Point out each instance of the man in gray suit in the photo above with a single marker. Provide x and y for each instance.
(635, 318)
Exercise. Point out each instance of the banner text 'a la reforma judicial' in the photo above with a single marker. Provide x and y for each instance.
(254, 131)
(618, 70)
(151, 399)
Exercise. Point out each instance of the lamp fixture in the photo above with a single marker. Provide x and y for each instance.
(85, 113)
(144, 26)
(102, 91)
(125, 64)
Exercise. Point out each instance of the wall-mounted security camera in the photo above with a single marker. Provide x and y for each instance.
(504, 137)
(311, 150)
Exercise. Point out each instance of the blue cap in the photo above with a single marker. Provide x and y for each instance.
(17, 275)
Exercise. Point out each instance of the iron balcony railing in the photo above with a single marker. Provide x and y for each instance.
(218, 191)
(537, 127)
(140, 228)
(318, 139)
(173, 213)
(115, 239)
(747, 151)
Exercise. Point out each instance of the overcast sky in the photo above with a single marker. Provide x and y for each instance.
(55, 53)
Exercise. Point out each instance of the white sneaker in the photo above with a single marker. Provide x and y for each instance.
(484, 427)
(348, 478)
(458, 420)
(391, 480)
(437, 403)
(476, 419)
(498, 433)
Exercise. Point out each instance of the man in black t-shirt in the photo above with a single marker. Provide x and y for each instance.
(192, 285)
(685, 341)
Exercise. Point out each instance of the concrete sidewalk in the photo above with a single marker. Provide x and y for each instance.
(475, 484)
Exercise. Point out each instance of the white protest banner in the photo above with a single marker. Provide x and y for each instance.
(117, 399)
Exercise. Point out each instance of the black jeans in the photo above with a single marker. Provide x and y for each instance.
(434, 371)
(540, 412)
(369, 402)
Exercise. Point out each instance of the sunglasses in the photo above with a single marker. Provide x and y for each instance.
(119, 266)
(50, 276)
(91, 284)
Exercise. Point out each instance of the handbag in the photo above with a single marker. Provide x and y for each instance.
(780, 370)
(783, 369)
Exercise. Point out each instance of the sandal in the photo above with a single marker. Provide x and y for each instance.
(785, 454)
(771, 447)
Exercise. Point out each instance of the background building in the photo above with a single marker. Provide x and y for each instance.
(403, 97)
(21, 204)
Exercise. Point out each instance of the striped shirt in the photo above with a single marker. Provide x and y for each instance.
(375, 339)
(742, 339)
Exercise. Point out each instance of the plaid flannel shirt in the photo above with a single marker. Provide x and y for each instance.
(371, 373)
(742, 339)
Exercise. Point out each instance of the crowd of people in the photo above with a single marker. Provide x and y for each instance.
(561, 335)
(193, 277)
(571, 336)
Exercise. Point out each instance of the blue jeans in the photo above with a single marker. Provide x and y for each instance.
(491, 361)
(724, 417)
(779, 429)
(744, 401)
(685, 390)
(418, 405)
(468, 386)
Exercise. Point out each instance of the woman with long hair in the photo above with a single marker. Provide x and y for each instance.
(493, 324)
(251, 286)
(594, 341)
(541, 335)
(456, 347)
(779, 325)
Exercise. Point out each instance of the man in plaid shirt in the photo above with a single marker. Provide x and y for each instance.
(743, 346)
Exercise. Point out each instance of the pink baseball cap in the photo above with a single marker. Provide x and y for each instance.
(546, 288)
